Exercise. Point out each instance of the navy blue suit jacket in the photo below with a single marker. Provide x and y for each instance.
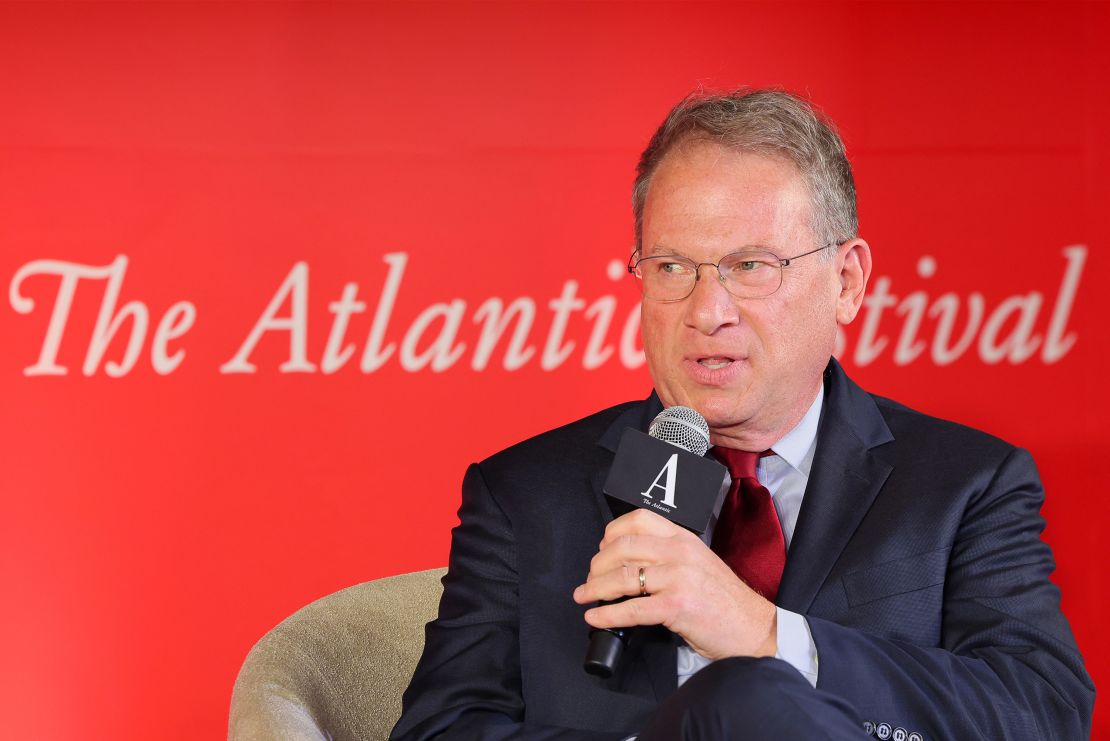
(917, 560)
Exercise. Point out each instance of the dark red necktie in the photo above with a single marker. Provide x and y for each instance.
(748, 536)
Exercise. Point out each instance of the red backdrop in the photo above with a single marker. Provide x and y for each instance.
(391, 176)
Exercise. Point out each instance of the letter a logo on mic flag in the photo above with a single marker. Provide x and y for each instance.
(670, 470)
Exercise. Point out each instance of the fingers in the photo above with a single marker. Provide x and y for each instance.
(641, 522)
(630, 550)
(639, 611)
(623, 581)
(638, 539)
(653, 609)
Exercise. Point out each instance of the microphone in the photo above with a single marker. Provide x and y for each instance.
(664, 471)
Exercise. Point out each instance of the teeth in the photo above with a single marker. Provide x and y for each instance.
(714, 363)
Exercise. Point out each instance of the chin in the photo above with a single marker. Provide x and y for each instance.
(719, 409)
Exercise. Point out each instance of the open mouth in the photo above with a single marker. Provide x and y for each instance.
(714, 362)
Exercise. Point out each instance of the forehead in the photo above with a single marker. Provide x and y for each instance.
(708, 197)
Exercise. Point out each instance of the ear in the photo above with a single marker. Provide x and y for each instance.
(854, 264)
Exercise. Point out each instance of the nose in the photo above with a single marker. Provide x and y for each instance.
(710, 306)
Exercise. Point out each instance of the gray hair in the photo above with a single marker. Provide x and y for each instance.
(771, 123)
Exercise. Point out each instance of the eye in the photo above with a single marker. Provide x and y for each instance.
(746, 266)
(667, 267)
(751, 264)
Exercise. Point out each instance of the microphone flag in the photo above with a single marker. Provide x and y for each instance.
(662, 477)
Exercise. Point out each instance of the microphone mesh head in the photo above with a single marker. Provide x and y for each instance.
(681, 426)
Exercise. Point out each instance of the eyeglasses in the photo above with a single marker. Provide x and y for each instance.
(748, 273)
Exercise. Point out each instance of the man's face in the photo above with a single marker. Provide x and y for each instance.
(750, 366)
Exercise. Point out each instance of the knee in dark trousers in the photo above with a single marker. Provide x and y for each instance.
(750, 699)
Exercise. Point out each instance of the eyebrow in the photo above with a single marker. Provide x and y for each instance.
(660, 250)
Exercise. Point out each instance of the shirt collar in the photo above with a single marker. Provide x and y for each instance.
(795, 445)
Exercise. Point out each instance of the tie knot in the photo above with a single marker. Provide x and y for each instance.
(740, 463)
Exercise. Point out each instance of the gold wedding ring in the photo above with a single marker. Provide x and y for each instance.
(643, 583)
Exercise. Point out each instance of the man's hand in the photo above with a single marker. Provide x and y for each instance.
(691, 591)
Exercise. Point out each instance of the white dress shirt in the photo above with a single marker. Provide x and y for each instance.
(785, 475)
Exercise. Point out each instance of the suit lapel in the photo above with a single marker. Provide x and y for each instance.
(844, 481)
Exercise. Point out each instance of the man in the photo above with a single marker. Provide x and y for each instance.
(877, 571)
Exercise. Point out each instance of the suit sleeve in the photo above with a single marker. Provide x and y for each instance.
(467, 683)
(1007, 666)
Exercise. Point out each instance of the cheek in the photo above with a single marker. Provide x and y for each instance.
(813, 325)
(791, 328)
(657, 331)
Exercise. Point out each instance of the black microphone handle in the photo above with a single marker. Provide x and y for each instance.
(606, 647)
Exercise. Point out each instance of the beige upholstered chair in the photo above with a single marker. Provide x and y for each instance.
(336, 668)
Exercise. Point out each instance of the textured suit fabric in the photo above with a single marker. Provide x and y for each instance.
(916, 558)
(754, 700)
